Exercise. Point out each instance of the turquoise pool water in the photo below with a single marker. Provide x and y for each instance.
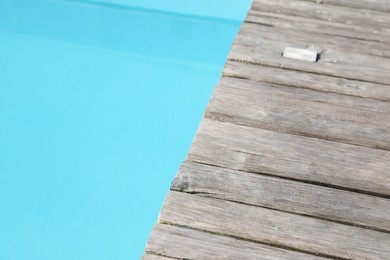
(99, 103)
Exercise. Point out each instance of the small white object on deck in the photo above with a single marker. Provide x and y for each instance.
(300, 54)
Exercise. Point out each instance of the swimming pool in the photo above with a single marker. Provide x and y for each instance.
(99, 102)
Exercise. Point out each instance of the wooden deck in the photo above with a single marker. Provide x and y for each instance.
(292, 158)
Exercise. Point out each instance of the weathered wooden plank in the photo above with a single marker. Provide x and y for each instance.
(286, 91)
(299, 111)
(335, 63)
(285, 195)
(374, 22)
(295, 157)
(154, 257)
(333, 48)
(312, 81)
(277, 228)
(182, 243)
(253, 35)
(319, 26)
(305, 82)
(376, 5)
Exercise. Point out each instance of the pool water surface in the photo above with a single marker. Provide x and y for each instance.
(99, 103)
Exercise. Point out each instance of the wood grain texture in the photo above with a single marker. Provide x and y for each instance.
(372, 21)
(273, 227)
(332, 48)
(155, 257)
(285, 195)
(311, 25)
(333, 62)
(376, 5)
(312, 81)
(295, 157)
(300, 111)
(182, 243)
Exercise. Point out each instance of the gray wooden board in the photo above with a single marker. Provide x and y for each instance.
(155, 257)
(253, 35)
(265, 52)
(273, 227)
(320, 26)
(182, 243)
(261, 56)
(376, 5)
(295, 157)
(332, 48)
(313, 81)
(374, 22)
(355, 66)
(296, 111)
(285, 195)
